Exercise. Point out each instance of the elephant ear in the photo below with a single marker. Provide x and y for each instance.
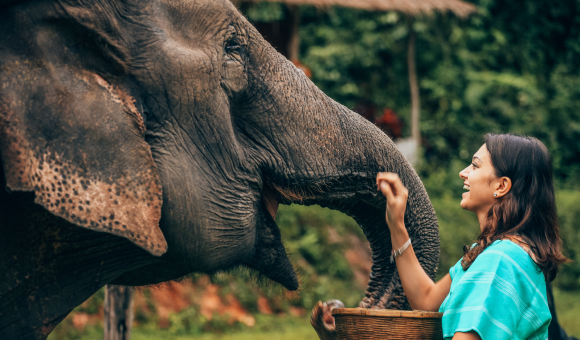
(78, 143)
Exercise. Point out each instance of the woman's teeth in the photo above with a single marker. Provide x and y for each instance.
(466, 187)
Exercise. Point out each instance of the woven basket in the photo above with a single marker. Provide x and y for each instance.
(375, 324)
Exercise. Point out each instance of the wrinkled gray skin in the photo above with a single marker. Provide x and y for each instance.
(145, 140)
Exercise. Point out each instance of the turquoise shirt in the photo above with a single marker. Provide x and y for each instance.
(501, 296)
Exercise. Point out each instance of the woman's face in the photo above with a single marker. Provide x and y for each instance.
(480, 182)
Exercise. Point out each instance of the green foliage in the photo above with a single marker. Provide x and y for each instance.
(568, 215)
(190, 322)
(268, 327)
(66, 331)
(316, 238)
(347, 51)
(568, 309)
(265, 12)
(457, 228)
(512, 67)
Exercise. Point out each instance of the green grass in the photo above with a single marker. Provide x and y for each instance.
(302, 331)
(568, 311)
(266, 328)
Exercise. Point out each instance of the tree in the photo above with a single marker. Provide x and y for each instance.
(118, 310)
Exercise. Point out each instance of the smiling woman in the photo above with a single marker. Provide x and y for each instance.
(518, 170)
(510, 190)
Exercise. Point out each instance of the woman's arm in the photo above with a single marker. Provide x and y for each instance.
(466, 336)
(422, 293)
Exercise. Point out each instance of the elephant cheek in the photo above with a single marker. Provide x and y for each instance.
(233, 76)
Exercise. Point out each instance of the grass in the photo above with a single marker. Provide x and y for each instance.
(294, 330)
(267, 328)
(568, 311)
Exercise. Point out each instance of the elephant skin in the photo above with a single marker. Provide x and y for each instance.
(145, 140)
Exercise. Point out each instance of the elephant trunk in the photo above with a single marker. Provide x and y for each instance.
(322, 153)
(356, 195)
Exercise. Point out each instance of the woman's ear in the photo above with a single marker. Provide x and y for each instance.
(502, 187)
(77, 143)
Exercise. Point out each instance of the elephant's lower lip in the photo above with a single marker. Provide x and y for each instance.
(269, 197)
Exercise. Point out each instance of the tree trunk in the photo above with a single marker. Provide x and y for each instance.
(118, 309)
(294, 43)
(415, 132)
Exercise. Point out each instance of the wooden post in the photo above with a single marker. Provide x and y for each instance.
(118, 310)
(294, 43)
(415, 104)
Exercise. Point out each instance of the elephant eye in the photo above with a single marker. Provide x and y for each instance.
(232, 46)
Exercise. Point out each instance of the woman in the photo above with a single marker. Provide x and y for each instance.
(498, 289)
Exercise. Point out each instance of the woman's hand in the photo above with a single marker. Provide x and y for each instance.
(422, 293)
(323, 321)
(391, 186)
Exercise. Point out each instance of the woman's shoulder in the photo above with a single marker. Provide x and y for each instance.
(508, 249)
(502, 256)
(505, 263)
(505, 255)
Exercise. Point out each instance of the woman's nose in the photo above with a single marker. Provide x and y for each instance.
(464, 173)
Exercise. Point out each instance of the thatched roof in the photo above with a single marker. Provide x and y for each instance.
(412, 7)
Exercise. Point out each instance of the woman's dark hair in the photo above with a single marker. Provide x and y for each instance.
(529, 208)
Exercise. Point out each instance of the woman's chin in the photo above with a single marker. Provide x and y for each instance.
(464, 204)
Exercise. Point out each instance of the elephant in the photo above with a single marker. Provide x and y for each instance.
(144, 140)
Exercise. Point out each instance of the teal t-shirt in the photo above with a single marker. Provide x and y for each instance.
(501, 296)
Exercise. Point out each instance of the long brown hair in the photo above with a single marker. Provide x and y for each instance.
(528, 210)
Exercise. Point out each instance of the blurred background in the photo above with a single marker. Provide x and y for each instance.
(436, 82)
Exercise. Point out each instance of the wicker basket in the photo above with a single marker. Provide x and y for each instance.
(375, 324)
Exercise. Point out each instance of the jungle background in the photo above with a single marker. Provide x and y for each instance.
(514, 66)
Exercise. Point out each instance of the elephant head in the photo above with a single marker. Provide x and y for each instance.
(167, 132)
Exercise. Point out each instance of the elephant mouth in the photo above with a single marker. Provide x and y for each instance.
(269, 255)
(351, 197)
(338, 192)
(270, 200)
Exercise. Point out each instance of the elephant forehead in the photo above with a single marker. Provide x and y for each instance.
(196, 21)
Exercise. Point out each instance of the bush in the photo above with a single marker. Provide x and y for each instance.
(569, 214)
(457, 228)
(316, 239)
